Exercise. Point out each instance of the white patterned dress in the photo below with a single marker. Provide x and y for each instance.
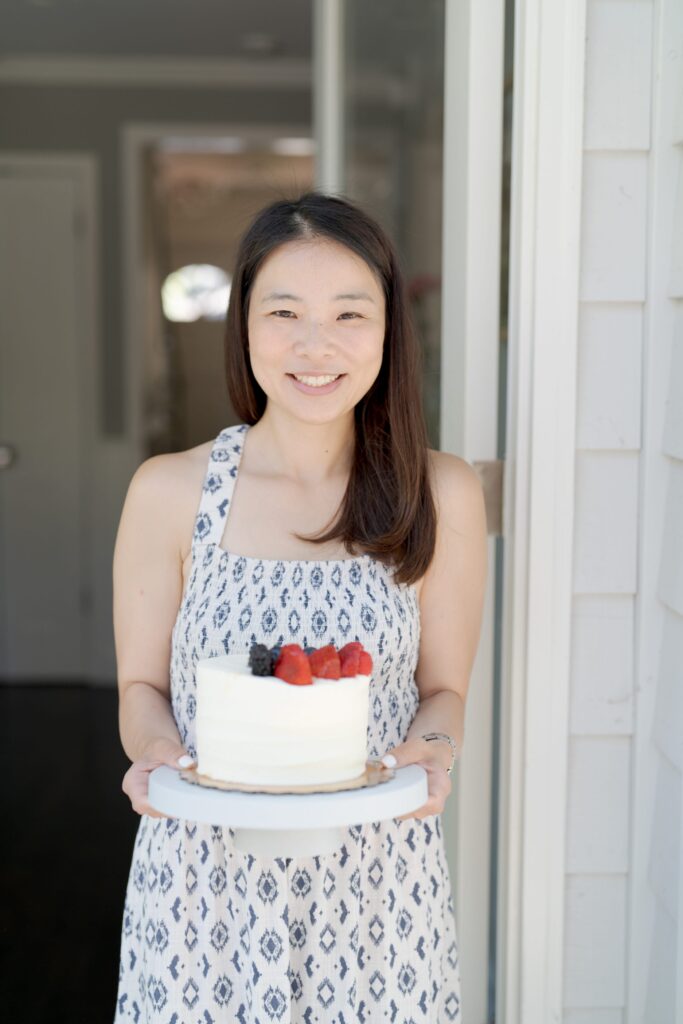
(363, 934)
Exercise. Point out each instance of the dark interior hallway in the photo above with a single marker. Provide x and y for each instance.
(68, 837)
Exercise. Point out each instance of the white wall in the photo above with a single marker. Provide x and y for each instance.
(626, 726)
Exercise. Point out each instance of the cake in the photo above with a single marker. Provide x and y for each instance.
(283, 716)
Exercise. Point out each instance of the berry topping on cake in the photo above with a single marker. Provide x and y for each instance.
(325, 662)
(298, 665)
(292, 665)
(349, 657)
(260, 661)
(365, 663)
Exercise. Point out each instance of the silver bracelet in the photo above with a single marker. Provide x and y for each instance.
(451, 742)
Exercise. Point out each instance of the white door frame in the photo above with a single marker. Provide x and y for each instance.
(473, 159)
(539, 504)
(134, 138)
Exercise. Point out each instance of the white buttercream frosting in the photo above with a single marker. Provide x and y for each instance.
(264, 730)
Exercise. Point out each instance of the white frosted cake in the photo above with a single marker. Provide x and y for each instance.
(263, 729)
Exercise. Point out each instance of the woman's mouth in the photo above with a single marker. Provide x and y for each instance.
(316, 383)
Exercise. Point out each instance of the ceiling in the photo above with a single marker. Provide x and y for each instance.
(193, 28)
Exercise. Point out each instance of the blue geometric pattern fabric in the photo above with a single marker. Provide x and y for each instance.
(367, 933)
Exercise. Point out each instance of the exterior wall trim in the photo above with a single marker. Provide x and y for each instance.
(539, 504)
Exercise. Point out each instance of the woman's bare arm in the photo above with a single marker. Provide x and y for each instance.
(451, 609)
(147, 575)
(452, 601)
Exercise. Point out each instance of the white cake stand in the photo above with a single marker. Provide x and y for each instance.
(288, 824)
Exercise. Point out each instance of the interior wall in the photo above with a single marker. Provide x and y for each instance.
(89, 119)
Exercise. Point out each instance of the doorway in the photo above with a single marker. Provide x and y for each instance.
(419, 96)
(189, 194)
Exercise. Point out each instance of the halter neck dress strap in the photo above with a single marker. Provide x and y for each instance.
(218, 485)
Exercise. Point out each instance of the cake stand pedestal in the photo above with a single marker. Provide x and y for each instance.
(288, 824)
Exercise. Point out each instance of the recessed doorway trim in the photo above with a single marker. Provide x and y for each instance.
(134, 139)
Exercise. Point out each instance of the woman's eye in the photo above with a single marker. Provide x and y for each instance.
(287, 313)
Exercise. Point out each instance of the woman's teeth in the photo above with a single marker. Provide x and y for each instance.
(317, 381)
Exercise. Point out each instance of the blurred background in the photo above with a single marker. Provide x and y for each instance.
(526, 156)
(137, 141)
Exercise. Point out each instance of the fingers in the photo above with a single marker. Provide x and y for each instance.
(136, 780)
(168, 752)
(439, 785)
(178, 757)
(407, 752)
(135, 785)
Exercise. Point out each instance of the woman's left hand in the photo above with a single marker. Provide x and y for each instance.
(435, 757)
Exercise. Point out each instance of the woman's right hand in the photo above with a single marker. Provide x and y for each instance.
(136, 780)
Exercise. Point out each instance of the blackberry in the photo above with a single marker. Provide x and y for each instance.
(274, 654)
(259, 660)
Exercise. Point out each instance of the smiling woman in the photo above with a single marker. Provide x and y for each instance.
(323, 369)
(318, 291)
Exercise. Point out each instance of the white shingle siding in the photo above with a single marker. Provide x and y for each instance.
(613, 221)
(601, 680)
(618, 74)
(598, 805)
(594, 1017)
(623, 962)
(595, 941)
(609, 349)
(606, 523)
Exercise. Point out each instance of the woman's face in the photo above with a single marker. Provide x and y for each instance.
(316, 311)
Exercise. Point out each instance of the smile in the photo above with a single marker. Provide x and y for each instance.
(317, 380)
(321, 383)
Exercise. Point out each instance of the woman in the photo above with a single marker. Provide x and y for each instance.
(224, 545)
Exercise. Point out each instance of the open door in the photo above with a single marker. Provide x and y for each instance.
(408, 105)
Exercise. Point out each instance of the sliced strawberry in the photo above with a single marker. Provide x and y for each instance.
(365, 664)
(349, 657)
(292, 665)
(325, 662)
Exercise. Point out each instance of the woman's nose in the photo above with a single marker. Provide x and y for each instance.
(314, 336)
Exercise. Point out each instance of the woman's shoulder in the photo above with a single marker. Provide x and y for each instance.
(166, 488)
(461, 523)
(173, 473)
(452, 475)
(458, 494)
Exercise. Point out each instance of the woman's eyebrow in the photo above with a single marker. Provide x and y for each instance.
(355, 296)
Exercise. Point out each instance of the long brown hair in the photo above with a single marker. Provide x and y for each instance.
(388, 508)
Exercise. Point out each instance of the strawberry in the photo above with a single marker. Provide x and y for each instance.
(292, 665)
(349, 656)
(325, 662)
(365, 663)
